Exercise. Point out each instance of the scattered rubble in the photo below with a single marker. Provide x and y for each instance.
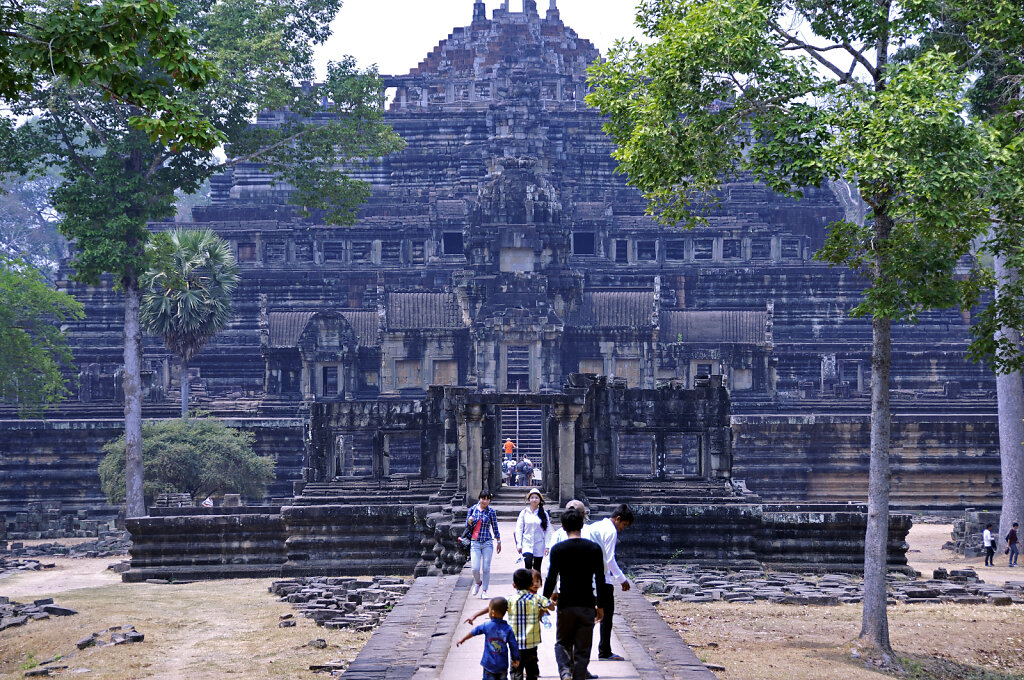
(694, 584)
(341, 602)
(48, 519)
(117, 635)
(13, 614)
(107, 544)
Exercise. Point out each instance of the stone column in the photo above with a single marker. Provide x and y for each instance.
(474, 450)
(567, 415)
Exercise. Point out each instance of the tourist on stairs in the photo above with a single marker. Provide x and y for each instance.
(606, 534)
(484, 521)
(532, 531)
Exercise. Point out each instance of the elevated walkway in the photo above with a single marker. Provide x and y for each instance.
(417, 640)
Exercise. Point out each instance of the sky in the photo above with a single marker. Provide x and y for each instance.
(397, 34)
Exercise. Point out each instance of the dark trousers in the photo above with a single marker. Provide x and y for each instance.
(527, 665)
(990, 554)
(531, 561)
(606, 600)
(574, 636)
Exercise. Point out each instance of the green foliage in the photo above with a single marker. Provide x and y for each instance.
(129, 51)
(727, 87)
(188, 301)
(32, 347)
(197, 456)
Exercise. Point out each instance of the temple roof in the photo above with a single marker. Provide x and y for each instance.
(286, 327)
(615, 309)
(740, 326)
(414, 311)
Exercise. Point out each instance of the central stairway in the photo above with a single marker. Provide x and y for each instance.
(526, 431)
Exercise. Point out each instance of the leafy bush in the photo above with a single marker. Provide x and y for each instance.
(197, 456)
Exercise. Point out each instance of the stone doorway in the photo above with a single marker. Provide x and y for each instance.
(526, 427)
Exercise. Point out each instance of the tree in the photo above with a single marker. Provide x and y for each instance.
(189, 301)
(28, 222)
(122, 167)
(32, 348)
(995, 96)
(797, 94)
(197, 456)
(131, 63)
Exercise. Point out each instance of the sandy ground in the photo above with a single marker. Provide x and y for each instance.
(224, 628)
(926, 555)
(197, 631)
(937, 642)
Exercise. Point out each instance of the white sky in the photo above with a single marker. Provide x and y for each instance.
(397, 34)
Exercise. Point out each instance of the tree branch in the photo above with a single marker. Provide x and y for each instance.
(815, 53)
(231, 162)
(69, 143)
(88, 121)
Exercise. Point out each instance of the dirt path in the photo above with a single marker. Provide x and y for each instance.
(68, 574)
(926, 555)
(208, 630)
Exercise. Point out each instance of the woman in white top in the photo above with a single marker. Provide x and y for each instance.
(532, 530)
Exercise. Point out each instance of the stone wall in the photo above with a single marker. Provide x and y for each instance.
(256, 542)
(56, 461)
(938, 462)
(786, 537)
(207, 543)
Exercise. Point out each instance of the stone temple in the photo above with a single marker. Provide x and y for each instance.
(504, 281)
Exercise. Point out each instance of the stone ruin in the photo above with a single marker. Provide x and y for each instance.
(421, 461)
(499, 259)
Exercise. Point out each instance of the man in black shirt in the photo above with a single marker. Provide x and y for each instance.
(577, 565)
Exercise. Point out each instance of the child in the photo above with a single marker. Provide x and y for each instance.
(499, 640)
(525, 610)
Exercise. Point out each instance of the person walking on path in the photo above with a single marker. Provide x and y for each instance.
(576, 565)
(989, 544)
(1012, 545)
(532, 531)
(606, 534)
(499, 642)
(525, 609)
(558, 535)
(484, 522)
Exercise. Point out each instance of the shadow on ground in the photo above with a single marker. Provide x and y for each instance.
(931, 668)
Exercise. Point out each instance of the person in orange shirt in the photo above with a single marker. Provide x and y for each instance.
(510, 449)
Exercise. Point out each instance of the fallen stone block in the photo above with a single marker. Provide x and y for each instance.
(59, 611)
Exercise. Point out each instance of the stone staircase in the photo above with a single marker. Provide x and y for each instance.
(527, 434)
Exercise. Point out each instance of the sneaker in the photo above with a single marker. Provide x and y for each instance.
(483, 595)
(476, 589)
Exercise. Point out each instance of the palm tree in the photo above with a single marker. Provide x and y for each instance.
(187, 299)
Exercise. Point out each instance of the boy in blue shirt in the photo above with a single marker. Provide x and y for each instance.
(499, 641)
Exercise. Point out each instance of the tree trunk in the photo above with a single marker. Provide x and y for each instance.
(134, 500)
(184, 388)
(1010, 398)
(875, 621)
(874, 631)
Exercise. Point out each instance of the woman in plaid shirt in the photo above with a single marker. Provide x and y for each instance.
(483, 520)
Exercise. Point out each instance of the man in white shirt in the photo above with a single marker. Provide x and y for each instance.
(606, 534)
(560, 535)
(990, 546)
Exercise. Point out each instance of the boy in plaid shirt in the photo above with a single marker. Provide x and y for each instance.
(524, 611)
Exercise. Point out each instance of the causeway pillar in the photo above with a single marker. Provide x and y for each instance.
(567, 415)
(475, 452)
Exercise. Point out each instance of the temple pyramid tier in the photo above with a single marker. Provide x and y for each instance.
(499, 254)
